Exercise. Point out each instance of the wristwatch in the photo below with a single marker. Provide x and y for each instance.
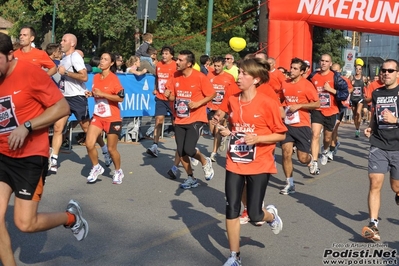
(28, 126)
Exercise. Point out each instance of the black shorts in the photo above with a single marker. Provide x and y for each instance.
(79, 107)
(327, 121)
(26, 176)
(162, 108)
(186, 137)
(340, 116)
(354, 103)
(300, 136)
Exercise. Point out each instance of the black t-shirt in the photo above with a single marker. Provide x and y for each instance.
(385, 136)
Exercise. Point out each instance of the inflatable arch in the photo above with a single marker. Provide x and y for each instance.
(291, 22)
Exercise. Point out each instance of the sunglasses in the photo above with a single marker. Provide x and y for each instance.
(389, 70)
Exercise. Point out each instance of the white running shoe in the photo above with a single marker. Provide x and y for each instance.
(107, 159)
(277, 224)
(153, 150)
(288, 189)
(244, 218)
(313, 168)
(213, 157)
(233, 260)
(222, 146)
(80, 228)
(94, 173)
(208, 169)
(117, 177)
(330, 156)
(324, 158)
(190, 182)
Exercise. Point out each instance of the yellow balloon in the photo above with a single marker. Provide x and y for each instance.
(196, 66)
(359, 62)
(237, 44)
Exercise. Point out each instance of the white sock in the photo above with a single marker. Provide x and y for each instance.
(290, 180)
(375, 221)
(54, 156)
(104, 149)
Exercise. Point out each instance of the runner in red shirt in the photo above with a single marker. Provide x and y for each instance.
(255, 126)
(30, 103)
(191, 91)
(300, 97)
(276, 78)
(223, 84)
(107, 92)
(29, 53)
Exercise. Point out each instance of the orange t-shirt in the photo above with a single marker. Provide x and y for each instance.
(105, 109)
(23, 96)
(223, 84)
(350, 86)
(261, 116)
(35, 56)
(328, 106)
(266, 89)
(186, 89)
(163, 73)
(276, 79)
(302, 92)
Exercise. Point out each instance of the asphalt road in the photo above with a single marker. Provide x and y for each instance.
(149, 220)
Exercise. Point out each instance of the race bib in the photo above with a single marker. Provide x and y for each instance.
(357, 92)
(8, 120)
(380, 109)
(181, 106)
(325, 99)
(61, 84)
(161, 85)
(219, 97)
(241, 152)
(102, 108)
(291, 117)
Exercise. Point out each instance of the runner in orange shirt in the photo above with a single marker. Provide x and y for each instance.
(30, 103)
(300, 98)
(33, 55)
(255, 126)
(223, 83)
(334, 141)
(276, 78)
(191, 91)
(107, 92)
(326, 115)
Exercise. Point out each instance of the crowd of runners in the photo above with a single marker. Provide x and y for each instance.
(250, 106)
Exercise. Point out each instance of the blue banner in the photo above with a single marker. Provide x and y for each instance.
(139, 99)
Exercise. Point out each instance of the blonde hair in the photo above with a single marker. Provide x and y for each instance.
(147, 37)
(133, 59)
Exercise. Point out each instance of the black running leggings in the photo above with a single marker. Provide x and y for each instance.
(256, 190)
(186, 137)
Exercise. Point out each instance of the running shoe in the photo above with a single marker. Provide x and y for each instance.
(277, 224)
(208, 170)
(244, 218)
(173, 172)
(233, 260)
(50, 154)
(107, 159)
(190, 182)
(336, 147)
(213, 157)
(193, 161)
(117, 177)
(313, 168)
(80, 228)
(324, 158)
(153, 150)
(357, 133)
(330, 156)
(371, 232)
(53, 165)
(397, 199)
(222, 146)
(94, 173)
(288, 189)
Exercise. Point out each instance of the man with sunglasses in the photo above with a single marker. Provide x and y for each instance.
(230, 67)
(384, 144)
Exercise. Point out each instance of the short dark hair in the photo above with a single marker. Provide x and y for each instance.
(52, 47)
(168, 48)
(32, 30)
(5, 44)
(299, 61)
(151, 50)
(203, 59)
(190, 56)
(393, 61)
(94, 61)
(218, 59)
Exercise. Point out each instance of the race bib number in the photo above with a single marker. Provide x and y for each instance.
(181, 106)
(291, 117)
(61, 84)
(219, 97)
(325, 99)
(8, 120)
(241, 152)
(102, 108)
(357, 92)
(161, 85)
(380, 110)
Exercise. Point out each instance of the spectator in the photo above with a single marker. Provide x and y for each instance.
(230, 67)
(145, 64)
(94, 63)
(142, 50)
(120, 66)
(204, 63)
(133, 64)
